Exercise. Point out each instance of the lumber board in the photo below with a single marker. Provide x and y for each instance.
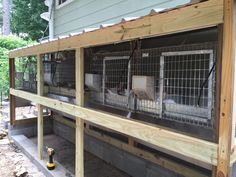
(196, 16)
(32, 120)
(234, 79)
(181, 144)
(40, 76)
(79, 130)
(79, 72)
(59, 118)
(226, 101)
(60, 91)
(40, 90)
(40, 131)
(12, 85)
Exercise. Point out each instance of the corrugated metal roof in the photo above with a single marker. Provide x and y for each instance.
(123, 20)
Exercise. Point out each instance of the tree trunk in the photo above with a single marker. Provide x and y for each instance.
(6, 17)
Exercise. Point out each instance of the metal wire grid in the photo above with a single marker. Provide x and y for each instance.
(59, 72)
(25, 74)
(146, 62)
(187, 85)
(113, 68)
(179, 94)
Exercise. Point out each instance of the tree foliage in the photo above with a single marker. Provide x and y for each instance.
(25, 18)
(12, 42)
(7, 43)
(4, 74)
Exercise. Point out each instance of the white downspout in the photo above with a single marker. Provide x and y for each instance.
(51, 20)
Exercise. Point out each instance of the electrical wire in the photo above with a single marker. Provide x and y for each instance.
(123, 71)
(204, 83)
(45, 31)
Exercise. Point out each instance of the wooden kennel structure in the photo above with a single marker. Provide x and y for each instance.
(220, 155)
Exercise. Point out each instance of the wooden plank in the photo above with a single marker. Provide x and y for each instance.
(180, 144)
(12, 85)
(40, 90)
(59, 90)
(233, 139)
(64, 121)
(40, 76)
(79, 60)
(131, 141)
(234, 94)
(226, 101)
(218, 90)
(218, 82)
(195, 16)
(79, 72)
(32, 120)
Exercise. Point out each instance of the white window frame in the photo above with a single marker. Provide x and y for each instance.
(58, 6)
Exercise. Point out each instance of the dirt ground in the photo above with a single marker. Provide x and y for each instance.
(12, 161)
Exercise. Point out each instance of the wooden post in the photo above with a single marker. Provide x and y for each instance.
(79, 70)
(226, 97)
(40, 89)
(234, 94)
(12, 85)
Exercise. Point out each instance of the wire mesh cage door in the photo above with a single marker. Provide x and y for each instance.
(187, 85)
(116, 74)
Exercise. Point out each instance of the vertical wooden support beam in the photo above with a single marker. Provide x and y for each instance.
(12, 85)
(234, 96)
(79, 70)
(40, 89)
(218, 90)
(226, 97)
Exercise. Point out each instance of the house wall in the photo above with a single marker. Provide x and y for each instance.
(81, 14)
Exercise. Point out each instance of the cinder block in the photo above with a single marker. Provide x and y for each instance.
(30, 130)
(64, 131)
(117, 158)
(134, 165)
(154, 170)
(96, 148)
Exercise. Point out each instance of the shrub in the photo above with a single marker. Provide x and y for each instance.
(7, 43)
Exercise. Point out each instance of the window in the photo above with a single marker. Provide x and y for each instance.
(62, 3)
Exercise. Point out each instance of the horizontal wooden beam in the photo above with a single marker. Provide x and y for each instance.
(187, 146)
(31, 120)
(64, 121)
(197, 16)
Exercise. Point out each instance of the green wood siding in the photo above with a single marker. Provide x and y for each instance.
(81, 14)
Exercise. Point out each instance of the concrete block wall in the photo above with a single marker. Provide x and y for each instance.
(132, 165)
(64, 131)
(30, 129)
